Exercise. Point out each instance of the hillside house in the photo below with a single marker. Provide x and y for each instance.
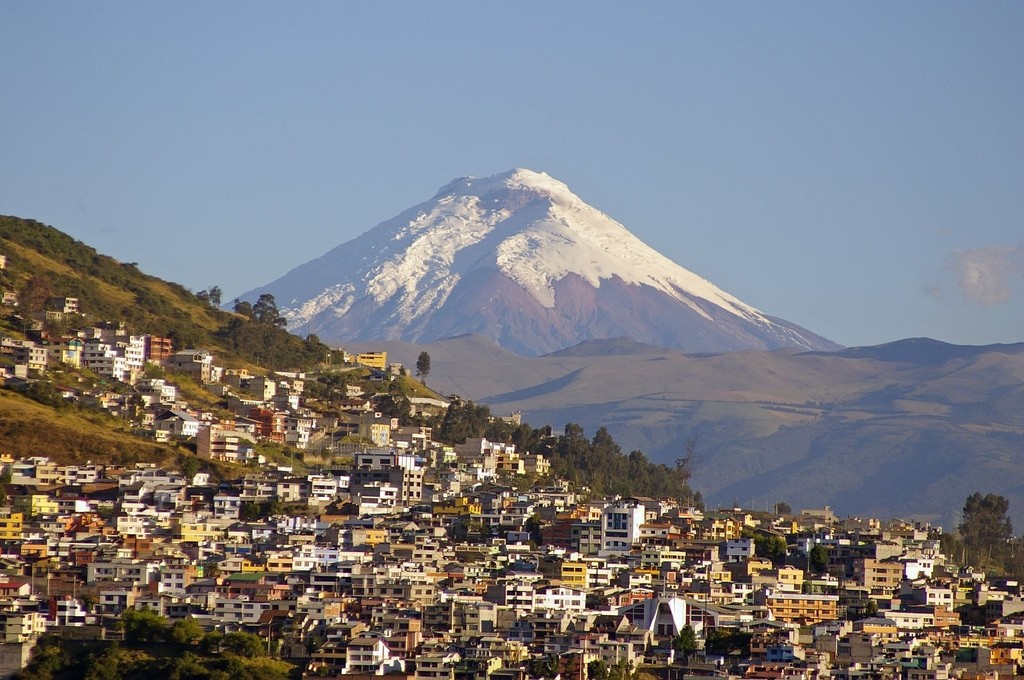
(177, 423)
(70, 353)
(157, 348)
(157, 391)
(196, 363)
(218, 442)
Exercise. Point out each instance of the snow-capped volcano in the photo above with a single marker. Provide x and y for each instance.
(518, 258)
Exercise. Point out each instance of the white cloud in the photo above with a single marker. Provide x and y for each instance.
(986, 275)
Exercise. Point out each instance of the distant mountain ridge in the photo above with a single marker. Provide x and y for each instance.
(905, 429)
(520, 259)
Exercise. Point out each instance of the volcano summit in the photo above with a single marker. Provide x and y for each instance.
(520, 259)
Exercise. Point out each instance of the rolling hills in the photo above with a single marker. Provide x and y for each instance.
(905, 429)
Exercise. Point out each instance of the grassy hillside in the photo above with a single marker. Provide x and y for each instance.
(67, 435)
(44, 262)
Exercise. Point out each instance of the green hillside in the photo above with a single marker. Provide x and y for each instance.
(28, 428)
(44, 263)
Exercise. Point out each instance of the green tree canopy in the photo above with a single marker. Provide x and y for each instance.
(817, 559)
(265, 311)
(142, 626)
(185, 631)
(686, 642)
(242, 307)
(771, 546)
(210, 296)
(986, 527)
(244, 644)
(423, 365)
(597, 670)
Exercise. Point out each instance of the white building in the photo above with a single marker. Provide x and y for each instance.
(157, 391)
(103, 359)
(242, 609)
(620, 525)
(177, 423)
(369, 656)
(560, 598)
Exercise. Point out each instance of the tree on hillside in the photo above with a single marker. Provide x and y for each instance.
(986, 527)
(463, 420)
(728, 641)
(242, 307)
(211, 295)
(142, 626)
(543, 666)
(817, 559)
(771, 546)
(423, 366)
(597, 670)
(685, 464)
(243, 644)
(265, 311)
(185, 631)
(394, 404)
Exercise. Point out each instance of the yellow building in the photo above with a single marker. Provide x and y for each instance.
(279, 562)
(885, 629)
(656, 556)
(790, 578)
(719, 574)
(380, 434)
(718, 527)
(462, 506)
(11, 524)
(756, 565)
(879, 576)
(36, 504)
(574, 574)
(373, 360)
(1005, 655)
(509, 462)
(197, 532)
(370, 536)
(34, 551)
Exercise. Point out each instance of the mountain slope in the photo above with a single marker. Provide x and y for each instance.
(52, 263)
(909, 428)
(520, 259)
(44, 262)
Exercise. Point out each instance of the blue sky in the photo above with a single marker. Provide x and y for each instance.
(856, 168)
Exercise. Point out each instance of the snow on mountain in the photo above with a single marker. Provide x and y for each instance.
(516, 257)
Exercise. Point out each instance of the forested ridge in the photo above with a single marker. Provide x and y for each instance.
(597, 462)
